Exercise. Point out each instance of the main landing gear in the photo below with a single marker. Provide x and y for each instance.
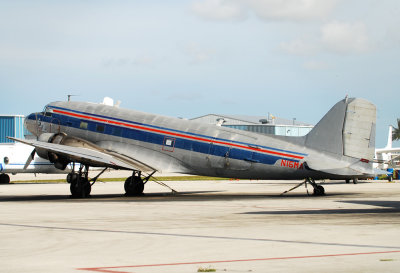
(4, 178)
(80, 185)
(134, 185)
(318, 189)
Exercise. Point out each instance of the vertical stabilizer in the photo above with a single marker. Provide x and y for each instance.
(389, 142)
(347, 129)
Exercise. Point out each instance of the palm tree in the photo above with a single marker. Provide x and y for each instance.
(396, 131)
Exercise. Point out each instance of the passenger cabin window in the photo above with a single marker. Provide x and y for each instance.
(84, 125)
(100, 128)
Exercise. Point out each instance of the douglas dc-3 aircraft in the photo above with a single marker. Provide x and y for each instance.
(340, 146)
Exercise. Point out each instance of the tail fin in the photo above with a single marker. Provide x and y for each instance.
(347, 129)
(389, 142)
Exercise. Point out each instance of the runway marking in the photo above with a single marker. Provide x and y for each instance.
(115, 269)
(148, 233)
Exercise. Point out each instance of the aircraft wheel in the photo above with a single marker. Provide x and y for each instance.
(319, 190)
(134, 186)
(4, 178)
(355, 180)
(80, 188)
(71, 177)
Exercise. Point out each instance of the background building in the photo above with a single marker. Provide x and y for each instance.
(259, 124)
(12, 126)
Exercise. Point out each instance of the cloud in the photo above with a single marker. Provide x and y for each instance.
(291, 10)
(269, 10)
(299, 47)
(315, 65)
(334, 37)
(345, 38)
(198, 54)
(219, 10)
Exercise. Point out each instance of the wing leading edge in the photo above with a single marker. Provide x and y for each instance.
(101, 158)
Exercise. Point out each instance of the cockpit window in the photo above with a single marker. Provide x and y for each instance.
(47, 111)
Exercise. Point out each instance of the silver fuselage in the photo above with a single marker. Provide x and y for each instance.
(181, 146)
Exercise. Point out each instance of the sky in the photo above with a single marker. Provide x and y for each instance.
(290, 58)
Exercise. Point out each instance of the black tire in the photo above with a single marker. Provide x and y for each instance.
(4, 178)
(80, 189)
(319, 190)
(347, 181)
(134, 186)
(71, 177)
(355, 180)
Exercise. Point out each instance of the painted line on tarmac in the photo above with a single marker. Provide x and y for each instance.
(198, 236)
(116, 269)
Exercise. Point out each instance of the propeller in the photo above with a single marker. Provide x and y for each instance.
(30, 158)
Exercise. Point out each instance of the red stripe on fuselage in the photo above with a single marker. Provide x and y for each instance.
(175, 134)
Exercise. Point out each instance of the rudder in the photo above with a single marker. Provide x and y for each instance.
(347, 129)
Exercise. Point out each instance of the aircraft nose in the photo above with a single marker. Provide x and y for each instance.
(30, 123)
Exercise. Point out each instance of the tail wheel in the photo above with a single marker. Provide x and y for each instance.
(134, 185)
(319, 190)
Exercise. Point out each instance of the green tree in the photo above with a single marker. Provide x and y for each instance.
(396, 131)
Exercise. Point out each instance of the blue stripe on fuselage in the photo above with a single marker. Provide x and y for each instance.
(158, 139)
(173, 130)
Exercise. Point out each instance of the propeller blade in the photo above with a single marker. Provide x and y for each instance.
(30, 158)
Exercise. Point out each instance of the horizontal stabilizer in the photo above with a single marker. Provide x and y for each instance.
(339, 167)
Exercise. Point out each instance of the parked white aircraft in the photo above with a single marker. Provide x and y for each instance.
(13, 158)
(384, 156)
(340, 146)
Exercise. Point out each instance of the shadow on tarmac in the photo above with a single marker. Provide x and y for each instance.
(161, 197)
(381, 207)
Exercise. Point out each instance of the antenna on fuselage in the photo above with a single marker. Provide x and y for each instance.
(69, 97)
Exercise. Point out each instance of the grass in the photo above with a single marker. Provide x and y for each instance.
(206, 269)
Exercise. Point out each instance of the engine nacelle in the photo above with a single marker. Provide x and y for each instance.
(59, 161)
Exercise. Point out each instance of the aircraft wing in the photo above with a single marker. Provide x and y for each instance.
(101, 158)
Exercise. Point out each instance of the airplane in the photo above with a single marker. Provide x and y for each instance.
(14, 156)
(340, 146)
(385, 156)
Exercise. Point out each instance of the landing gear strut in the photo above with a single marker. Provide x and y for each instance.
(318, 189)
(134, 185)
(80, 186)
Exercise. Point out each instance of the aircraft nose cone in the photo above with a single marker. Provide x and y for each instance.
(30, 123)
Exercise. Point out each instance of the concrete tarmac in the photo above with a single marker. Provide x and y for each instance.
(229, 226)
